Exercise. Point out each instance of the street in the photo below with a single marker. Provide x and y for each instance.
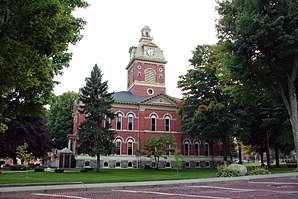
(263, 188)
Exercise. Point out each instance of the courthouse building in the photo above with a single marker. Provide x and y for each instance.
(145, 110)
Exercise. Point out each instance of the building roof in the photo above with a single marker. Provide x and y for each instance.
(127, 96)
(65, 150)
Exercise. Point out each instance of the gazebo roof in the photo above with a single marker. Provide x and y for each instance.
(65, 150)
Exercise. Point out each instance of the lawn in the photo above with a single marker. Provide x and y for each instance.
(105, 175)
(111, 175)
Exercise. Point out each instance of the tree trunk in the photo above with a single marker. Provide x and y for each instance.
(98, 162)
(225, 157)
(291, 102)
(240, 154)
(277, 165)
(294, 123)
(262, 158)
(267, 151)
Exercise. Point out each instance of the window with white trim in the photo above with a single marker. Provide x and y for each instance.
(153, 123)
(206, 149)
(197, 148)
(107, 121)
(186, 147)
(130, 147)
(119, 121)
(118, 146)
(167, 123)
(130, 120)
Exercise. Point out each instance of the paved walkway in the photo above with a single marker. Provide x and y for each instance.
(45, 188)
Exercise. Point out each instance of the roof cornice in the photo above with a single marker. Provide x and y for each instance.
(145, 59)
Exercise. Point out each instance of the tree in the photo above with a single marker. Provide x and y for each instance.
(26, 129)
(95, 138)
(60, 118)
(156, 148)
(208, 109)
(34, 40)
(261, 37)
(178, 160)
(23, 154)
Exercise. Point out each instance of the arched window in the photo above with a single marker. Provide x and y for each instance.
(187, 164)
(206, 149)
(107, 121)
(153, 123)
(118, 146)
(167, 123)
(130, 147)
(130, 120)
(119, 121)
(220, 149)
(105, 164)
(186, 147)
(197, 148)
(168, 164)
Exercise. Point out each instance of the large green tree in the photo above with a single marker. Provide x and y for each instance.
(60, 118)
(95, 135)
(208, 110)
(34, 40)
(261, 37)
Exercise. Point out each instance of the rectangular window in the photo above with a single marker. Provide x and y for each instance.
(167, 124)
(130, 123)
(118, 148)
(107, 121)
(186, 149)
(129, 148)
(119, 122)
(206, 149)
(153, 124)
(197, 151)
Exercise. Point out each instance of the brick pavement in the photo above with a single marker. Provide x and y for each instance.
(269, 186)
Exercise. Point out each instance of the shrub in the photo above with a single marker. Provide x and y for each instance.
(89, 169)
(18, 167)
(259, 171)
(59, 170)
(224, 171)
(6, 166)
(39, 169)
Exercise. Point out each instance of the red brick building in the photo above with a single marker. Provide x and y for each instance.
(145, 110)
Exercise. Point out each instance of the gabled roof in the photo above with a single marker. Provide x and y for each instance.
(160, 96)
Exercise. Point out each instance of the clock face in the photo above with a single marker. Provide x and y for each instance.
(150, 52)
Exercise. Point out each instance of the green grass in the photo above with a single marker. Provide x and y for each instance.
(112, 175)
(105, 176)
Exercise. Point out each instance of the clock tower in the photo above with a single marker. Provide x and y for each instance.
(146, 68)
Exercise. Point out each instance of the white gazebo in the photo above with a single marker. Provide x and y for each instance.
(65, 158)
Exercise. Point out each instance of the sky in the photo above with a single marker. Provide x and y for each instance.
(113, 26)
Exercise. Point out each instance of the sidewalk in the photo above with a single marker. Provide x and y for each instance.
(76, 186)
